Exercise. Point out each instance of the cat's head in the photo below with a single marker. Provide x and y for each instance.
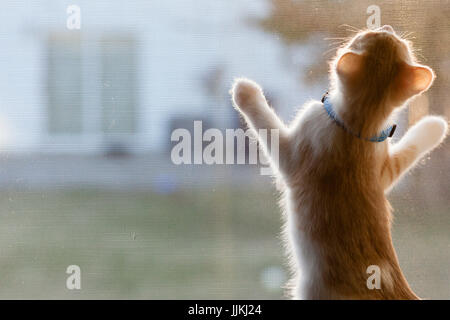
(380, 67)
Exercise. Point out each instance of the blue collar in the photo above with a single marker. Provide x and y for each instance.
(387, 133)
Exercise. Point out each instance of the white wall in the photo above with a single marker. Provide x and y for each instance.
(178, 41)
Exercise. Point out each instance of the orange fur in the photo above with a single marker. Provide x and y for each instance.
(338, 217)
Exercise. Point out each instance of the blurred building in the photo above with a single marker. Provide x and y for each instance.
(133, 72)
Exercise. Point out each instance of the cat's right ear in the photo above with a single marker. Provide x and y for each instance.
(412, 80)
(349, 65)
(416, 79)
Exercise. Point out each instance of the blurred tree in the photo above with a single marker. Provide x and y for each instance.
(425, 23)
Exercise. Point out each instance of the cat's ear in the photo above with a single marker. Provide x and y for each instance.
(415, 79)
(349, 65)
(422, 77)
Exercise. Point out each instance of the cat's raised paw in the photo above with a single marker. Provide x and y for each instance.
(431, 131)
(246, 93)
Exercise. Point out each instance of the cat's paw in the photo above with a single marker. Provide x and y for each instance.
(430, 132)
(246, 94)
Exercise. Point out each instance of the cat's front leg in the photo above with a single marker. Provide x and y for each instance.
(420, 139)
(249, 100)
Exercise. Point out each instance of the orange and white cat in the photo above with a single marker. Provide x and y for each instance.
(335, 174)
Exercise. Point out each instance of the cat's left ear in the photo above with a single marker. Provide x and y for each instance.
(349, 65)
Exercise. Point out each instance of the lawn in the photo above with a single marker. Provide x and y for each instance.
(196, 244)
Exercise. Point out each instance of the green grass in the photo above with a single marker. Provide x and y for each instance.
(199, 244)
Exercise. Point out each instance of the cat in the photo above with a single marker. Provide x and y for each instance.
(336, 167)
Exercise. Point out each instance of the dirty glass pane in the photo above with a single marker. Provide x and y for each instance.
(98, 201)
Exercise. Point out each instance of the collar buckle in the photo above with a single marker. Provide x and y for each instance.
(392, 131)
